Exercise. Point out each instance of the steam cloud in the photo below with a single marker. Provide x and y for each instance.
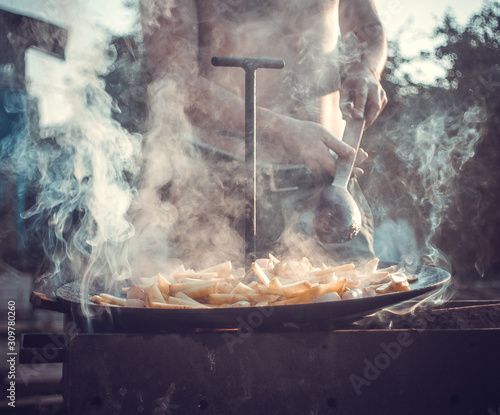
(429, 155)
(80, 171)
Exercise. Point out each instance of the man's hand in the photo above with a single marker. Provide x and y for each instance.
(362, 96)
(312, 145)
(359, 21)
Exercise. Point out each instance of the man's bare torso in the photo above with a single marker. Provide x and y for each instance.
(302, 33)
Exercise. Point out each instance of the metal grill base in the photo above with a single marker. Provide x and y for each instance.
(341, 372)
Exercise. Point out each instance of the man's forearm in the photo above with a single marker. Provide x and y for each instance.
(212, 107)
(374, 50)
(365, 36)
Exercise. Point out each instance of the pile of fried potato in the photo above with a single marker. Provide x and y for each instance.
(276, 282)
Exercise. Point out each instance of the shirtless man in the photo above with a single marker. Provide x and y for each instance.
(299, 116)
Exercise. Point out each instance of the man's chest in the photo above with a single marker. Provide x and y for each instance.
(292, 30)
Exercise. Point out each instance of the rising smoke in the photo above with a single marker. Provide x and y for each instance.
(79, 172)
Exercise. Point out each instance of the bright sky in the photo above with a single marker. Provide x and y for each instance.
(426, 13)
(417, 20)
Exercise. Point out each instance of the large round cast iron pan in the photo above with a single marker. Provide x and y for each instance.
(327, 314)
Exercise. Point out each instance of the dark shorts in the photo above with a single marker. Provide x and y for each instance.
(282, 193)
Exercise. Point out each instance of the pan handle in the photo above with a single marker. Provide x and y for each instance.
(41, 300)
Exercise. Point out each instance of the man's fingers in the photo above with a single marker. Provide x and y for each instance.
(327, 162)
(375, 107)
(323, 162)
(349, 109)
(360, 98)
(356, 171)
(360, 157)
(346, 108)
(342, 149)
(353, 99)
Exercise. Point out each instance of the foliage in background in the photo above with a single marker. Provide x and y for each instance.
(435, 149)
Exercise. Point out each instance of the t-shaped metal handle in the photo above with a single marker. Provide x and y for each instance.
(250, 65)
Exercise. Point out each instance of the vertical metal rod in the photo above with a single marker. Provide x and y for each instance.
(250, 65)
(250, 166)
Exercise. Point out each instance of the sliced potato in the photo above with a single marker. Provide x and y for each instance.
(278, 282)
(319, 290)
(171, 306)
(222, 270)
(163, 285)
(111, 299)
(261, 275)
(275, 284)
(186, 299)
(155, 295)
(225, 298)
(370, 267)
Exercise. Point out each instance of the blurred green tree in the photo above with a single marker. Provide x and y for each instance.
(435, 149)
